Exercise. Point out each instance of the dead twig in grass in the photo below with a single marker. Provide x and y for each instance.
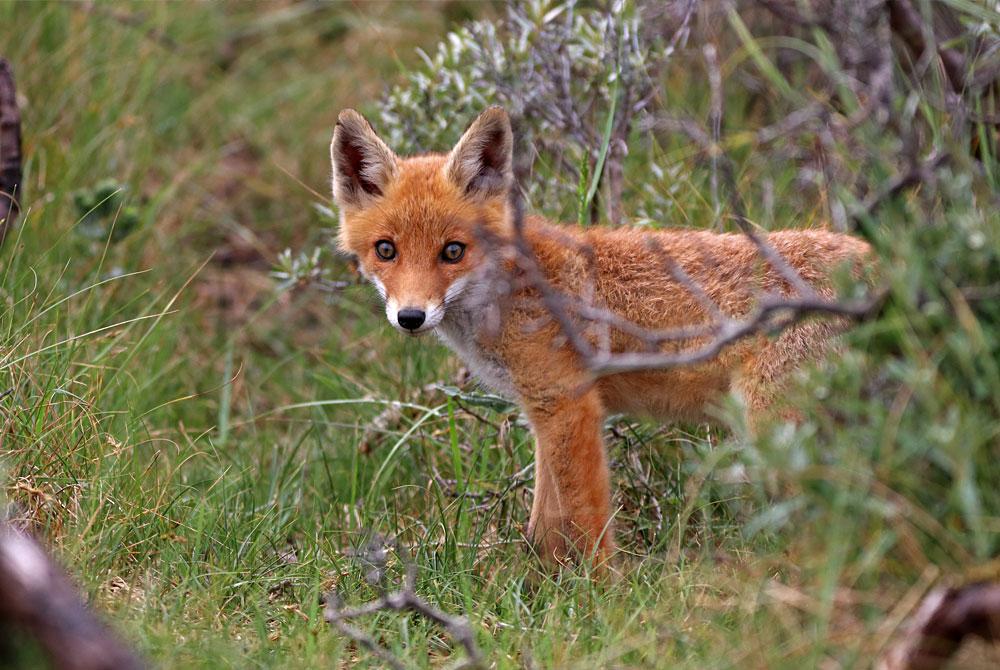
(375, 555)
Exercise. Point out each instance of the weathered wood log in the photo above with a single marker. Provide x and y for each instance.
(38, 600)
(10, 151)
(945, 618)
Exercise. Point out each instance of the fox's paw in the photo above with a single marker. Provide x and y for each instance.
(567, 541)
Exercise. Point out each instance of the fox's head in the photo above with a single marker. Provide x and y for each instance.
(412, 222)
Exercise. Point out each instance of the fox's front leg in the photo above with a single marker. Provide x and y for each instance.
(571, 511)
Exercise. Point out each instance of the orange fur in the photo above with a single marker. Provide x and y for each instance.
(497, 324)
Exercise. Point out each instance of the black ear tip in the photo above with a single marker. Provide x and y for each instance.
(347, 115)
(495, 114)
(352, 120)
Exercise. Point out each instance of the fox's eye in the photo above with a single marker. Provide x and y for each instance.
(453, 252)
(385, 250)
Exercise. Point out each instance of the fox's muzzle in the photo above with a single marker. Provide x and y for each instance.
(413, 319)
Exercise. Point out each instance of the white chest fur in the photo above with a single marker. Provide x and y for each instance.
(460, 330)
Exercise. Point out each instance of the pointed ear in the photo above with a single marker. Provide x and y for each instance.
(362, 163)
(480, 164)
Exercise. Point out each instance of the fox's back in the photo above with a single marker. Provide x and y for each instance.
(633, 274)
(630, 271)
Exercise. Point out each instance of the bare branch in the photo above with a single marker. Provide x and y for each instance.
(772, 315)
(375, 555)
(791, 123)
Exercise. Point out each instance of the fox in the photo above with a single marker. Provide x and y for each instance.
(432, 232)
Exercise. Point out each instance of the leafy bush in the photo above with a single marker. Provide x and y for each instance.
(563, 70)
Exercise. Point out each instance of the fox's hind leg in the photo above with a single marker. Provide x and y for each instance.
(763, 378)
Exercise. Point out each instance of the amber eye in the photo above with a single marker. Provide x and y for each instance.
(452, 252)
(385, 250)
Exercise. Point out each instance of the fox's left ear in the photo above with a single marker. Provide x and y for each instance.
(480, 164)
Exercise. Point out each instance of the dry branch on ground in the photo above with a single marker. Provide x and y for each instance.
(375, 556)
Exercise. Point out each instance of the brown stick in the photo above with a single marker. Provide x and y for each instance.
(10, 150)
(37, 597)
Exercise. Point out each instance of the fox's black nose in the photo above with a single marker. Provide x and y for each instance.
(410, 318)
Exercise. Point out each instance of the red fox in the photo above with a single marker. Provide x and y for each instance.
(419, 228)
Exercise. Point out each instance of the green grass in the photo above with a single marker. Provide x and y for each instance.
(177, 428)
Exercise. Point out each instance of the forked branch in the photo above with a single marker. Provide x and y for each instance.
(375, 556)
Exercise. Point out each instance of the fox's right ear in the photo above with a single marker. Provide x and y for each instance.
(480, 164)
(362, 163)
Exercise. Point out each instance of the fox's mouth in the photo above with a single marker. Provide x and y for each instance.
(417, 332)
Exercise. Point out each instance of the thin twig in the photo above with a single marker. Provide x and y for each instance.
(375, 554)
(714, 123)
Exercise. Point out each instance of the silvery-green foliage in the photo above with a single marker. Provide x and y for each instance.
(291, 269)
(556, 66)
